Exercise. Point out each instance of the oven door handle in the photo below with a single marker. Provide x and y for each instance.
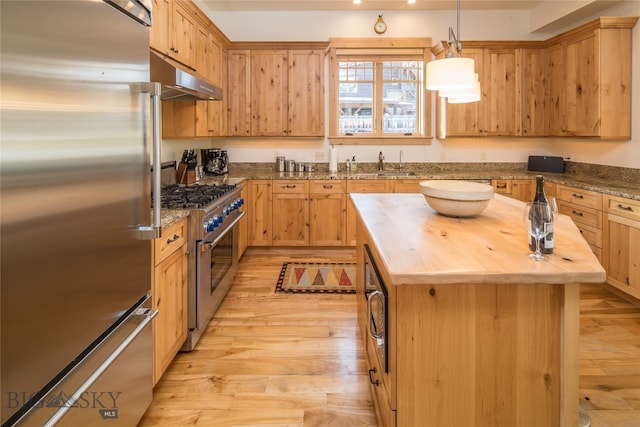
(373, 330)
(207, 246)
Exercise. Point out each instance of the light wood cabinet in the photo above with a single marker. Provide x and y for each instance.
(523, 189)
(404, 185)
(534, 89)
(259, 212)
(590, 74)
(361, 186)
(275, 91)
(327, 212)
(502, 186)
(621, 247)
(585, 208)
(174, 31)
(169, 291)
(499, 111)
(291, 213)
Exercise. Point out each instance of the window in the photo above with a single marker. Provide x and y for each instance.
(378, 93)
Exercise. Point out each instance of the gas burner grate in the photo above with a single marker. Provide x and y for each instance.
(194, 197)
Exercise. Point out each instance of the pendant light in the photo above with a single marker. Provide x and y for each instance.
(460, 96)
(453, 72)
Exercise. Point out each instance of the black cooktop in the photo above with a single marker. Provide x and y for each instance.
(193, 197)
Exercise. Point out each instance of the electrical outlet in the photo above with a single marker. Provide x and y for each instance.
(483, 156)
(319, 156)
(443, 155)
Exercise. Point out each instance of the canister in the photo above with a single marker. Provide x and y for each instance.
(299, 167)
(280, 164)
(289, 165)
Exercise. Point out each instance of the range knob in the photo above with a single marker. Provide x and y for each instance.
(218, 219)
(210, 225)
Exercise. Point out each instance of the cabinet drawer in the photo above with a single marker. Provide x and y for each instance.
(581, 215)
(327, 186)
(620, 206)
(173, 237)
(290, 186)
(502, 186)
(406, 185)
(590, 199)
(592, 235)
(367, 186)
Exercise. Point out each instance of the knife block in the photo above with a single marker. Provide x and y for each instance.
(186, 176)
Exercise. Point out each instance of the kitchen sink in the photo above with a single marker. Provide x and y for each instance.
(383, 174)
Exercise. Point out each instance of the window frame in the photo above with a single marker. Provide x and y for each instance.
(378, 50)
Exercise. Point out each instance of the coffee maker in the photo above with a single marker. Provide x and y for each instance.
(215, 161)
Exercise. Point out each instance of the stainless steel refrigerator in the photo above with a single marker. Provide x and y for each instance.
(77, 131)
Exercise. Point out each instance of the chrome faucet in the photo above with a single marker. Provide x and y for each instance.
(400, 166)
(380, 160)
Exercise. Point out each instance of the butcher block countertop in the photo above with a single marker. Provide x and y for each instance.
(419, 246)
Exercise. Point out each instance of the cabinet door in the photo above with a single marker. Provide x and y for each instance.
(466, 119)
(202, 55)
(582, 85)
(170, 299)
(501, 105)
(523, 189)
(160, 32)
(238, 92)
(290, 219)
(259, 211)
(555, 112)
(306, 93)
(269, 115)
(243, 241)
(361, 186)
(327, 219)
(622, 253)
(534, 84)
(183, 35)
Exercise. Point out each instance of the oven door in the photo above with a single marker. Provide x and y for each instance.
(216, 264)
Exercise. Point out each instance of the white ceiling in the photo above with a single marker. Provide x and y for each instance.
(264, 5)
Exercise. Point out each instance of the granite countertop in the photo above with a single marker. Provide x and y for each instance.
(622, 182)
(417, 246)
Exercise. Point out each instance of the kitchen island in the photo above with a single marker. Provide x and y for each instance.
(477, 333)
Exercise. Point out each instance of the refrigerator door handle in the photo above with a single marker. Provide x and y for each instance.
(149, 314)
(154, 231)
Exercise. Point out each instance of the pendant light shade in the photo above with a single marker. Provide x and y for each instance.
(454, 76)
(462, 95)
(450, 74)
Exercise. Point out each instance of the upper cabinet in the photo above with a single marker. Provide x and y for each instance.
(276, 89)
(183, 33)
(576, 84)
(174, 31)
(591, 70)
(512, 83)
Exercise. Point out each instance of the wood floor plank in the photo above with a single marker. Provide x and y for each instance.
(270, 359)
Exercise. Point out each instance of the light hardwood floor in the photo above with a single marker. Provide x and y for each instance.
(296, 360)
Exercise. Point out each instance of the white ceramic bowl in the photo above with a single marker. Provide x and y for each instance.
(456, 198)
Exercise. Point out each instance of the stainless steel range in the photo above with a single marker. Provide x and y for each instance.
(213, 259)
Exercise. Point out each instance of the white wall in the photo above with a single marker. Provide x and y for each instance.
(475, 25)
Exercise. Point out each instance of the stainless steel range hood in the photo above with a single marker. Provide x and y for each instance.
(180, 85)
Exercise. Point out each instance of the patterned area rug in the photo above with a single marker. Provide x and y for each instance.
(316, 277)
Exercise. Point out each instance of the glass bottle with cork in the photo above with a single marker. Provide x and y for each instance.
(546, 243)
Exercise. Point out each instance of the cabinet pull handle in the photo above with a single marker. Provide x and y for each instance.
(291, 186)
(578, 196)
(373, 371)
(328, 186)
(501, 186)
(173, 239)
(158, 302)
(625, 208)
(576, 213)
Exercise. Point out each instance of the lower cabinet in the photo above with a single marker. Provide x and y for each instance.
(169, 291)
(327, 212)
(291, 213)
(621, 255)
(585, 209)
(361, 186)
(243, 225)
(259, 204)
